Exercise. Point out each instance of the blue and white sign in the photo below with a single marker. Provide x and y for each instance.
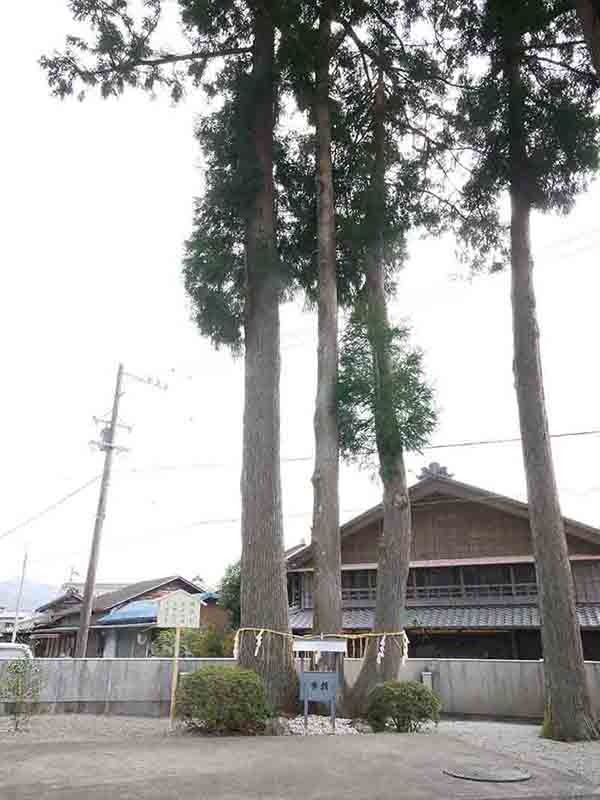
(318, 687)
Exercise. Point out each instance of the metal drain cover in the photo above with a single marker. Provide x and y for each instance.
(489, 774)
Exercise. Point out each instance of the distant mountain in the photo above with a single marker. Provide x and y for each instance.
(34, 594)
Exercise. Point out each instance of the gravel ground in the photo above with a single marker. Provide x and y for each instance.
(520, 741)
(523, 742)
(88, 727)
(82, 727)
(317, 726)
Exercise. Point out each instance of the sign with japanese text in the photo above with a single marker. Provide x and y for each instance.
(179, 609)
(318, 687)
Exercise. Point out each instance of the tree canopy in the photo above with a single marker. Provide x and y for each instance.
(412, 398)
(229, 590)
(557, 112)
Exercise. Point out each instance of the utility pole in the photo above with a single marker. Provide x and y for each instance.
(108, 445)
(19, 598)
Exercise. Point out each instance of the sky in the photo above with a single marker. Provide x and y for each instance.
(95, 204)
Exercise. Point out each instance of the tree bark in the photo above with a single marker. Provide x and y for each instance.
(568, 706)
(263, 595)
(588, 12)
(395, 541)
(325, 531)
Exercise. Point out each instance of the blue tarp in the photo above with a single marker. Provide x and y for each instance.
(136, 611)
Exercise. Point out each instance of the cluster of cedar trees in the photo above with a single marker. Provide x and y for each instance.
(335, 128)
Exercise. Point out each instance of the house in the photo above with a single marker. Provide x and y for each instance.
(99, 588)
(7, 623)
(123, 620)
(472, 590)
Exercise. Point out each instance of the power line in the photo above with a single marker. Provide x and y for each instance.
(175, 467)
(444, 445)
(49, 508)
(476, 443)
(295, 514)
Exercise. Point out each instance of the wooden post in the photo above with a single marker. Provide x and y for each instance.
(333, 715)
(174, 677)
(305, 715)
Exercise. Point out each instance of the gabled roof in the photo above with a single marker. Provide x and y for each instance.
(109, 600)
(104, 602)
(295, 549)
(441, 488)
(69, 596)
(99, 588)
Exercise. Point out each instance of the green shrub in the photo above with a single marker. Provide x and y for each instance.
(223, 700)
(407, 703)
(195, 643)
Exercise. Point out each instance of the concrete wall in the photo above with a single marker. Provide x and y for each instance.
(485, 687)
(139, 686)
(142, 685)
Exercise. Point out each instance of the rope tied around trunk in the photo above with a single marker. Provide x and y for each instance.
(398, 637)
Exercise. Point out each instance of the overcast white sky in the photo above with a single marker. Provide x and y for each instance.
(95, 203)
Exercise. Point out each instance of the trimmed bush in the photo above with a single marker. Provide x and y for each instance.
(223, 700)
(407, 703)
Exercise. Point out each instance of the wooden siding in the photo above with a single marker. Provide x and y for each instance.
(453, 530)
(467, 530)
(362, 547)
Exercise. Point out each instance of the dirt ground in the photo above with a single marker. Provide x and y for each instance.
(81, 757)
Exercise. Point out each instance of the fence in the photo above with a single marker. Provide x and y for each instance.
(141, 686)
(485, 687)
(138, 686)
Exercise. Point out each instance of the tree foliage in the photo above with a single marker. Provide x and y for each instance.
(122, 49)
(557, 107)
(229, 592)
(412, 399)
(194, 643)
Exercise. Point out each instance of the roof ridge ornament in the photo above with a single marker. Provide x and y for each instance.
(434, 470)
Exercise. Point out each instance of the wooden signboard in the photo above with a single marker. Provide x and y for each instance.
(177, 610)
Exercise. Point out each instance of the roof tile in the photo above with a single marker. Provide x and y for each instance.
(452, 617)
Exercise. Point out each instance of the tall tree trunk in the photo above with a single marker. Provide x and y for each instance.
(567, 698)
(325, 531)
(395, 541)
(588, 12)
(263, 583)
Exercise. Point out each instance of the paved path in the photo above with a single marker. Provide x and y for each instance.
(375, 767)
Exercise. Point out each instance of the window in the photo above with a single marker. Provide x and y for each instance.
(435, 576)
(524, 573)
(359, 578)
(486, 575)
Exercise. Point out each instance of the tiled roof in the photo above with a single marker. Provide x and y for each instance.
(108, 600)
(452, 617)
(444, 489)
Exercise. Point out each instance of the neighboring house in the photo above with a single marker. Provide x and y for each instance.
(123, 621)
(7, 623)
(99, 588)
(472, 590)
